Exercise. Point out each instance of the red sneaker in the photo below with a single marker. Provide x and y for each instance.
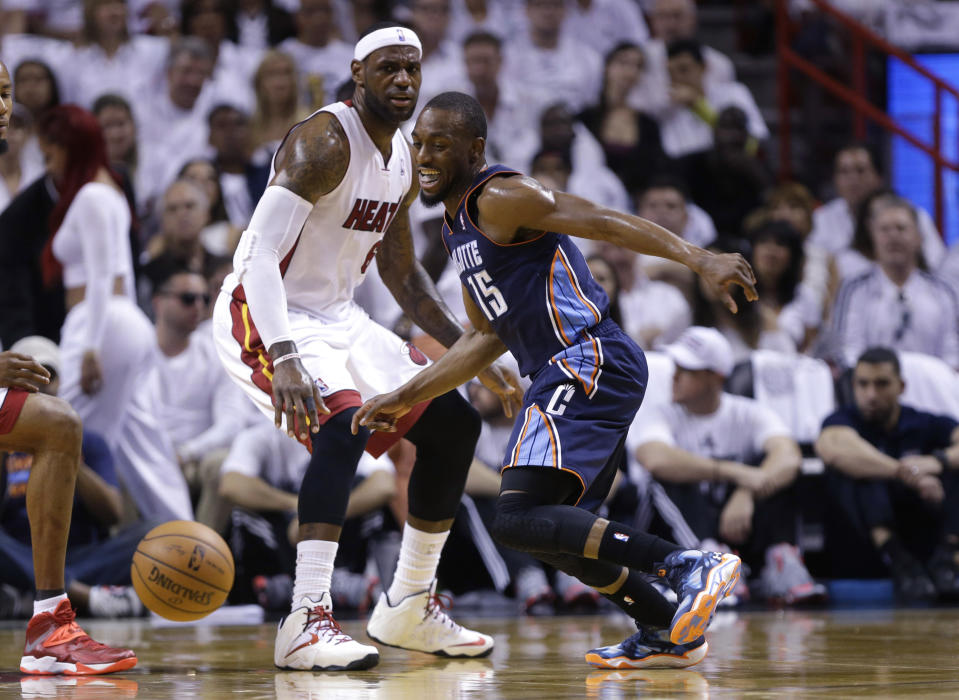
(56, 644)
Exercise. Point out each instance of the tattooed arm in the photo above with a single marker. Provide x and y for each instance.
(409, 282)
(310, 163)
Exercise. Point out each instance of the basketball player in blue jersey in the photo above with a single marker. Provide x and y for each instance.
(528, 290)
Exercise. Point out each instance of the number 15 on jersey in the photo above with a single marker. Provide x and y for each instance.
(488, 297)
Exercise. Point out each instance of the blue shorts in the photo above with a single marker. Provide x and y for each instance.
(578, 410)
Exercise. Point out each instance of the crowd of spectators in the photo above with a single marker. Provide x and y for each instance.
(617, 101)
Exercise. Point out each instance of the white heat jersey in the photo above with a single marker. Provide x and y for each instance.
(330, 257)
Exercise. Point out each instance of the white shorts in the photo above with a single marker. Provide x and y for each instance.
(351, 360)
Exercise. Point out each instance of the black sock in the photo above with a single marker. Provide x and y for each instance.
(48, 593)
(638, 599)
(632, 548)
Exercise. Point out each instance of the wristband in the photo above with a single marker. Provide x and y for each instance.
(284, 358)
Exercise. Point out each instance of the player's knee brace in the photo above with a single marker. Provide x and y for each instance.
(325, 490)
(445, 438)
(522, 524)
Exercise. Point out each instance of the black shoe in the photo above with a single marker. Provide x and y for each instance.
(911, 583)
(944, 567)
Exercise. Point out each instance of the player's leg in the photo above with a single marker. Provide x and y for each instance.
(409, 614)
(532, 515)
(309, 638)
(51, 430)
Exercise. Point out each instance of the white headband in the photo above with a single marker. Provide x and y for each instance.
(387, 36)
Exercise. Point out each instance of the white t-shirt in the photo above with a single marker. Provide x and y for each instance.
(605, 24)
(197, 404)
(737, 431)
(329, 65)
(571, 73)
(137, 66)
(654, 305)
(684, 132)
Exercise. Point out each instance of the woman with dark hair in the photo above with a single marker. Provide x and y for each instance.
(108, 344)
(786, 303)
(35, 87)
(219, 237)
(751, 328)
(605, 275)
(630, 138)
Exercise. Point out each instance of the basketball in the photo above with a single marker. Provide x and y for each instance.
(182, 570)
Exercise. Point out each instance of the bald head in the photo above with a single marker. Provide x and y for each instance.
(6, 104)
(674, 19)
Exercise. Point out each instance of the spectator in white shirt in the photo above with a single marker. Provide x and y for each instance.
(109, 60)
(511, 138)
(605, 23)
(551, 67)
(501, 18)
(672, 20)
(260, 24)
(726, 461)
(233, 65)
(196, 403)
(442, 59)
(653, 313)
(855, 176)
(323, 60)
(665, 202)
(171, 122)
(687, 123)
(896, 304)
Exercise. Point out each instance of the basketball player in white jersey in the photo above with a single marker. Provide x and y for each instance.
(289, 332)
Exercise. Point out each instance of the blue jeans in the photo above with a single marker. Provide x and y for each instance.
(105, 563)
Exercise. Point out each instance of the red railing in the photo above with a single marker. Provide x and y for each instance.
(855, 96)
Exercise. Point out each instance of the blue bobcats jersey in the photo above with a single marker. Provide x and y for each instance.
(538, 295)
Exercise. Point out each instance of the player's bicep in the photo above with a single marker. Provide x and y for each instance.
(519, 203)
(476, 317)
(313, 159)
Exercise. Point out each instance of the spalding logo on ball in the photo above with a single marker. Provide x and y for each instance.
(182, 570)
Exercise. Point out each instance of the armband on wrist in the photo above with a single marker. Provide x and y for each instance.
(284, 358)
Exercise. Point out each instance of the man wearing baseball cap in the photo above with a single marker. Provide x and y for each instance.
(727, 462)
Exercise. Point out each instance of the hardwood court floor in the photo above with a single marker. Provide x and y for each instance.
(838, 654)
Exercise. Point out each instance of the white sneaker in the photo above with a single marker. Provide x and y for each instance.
(419, 622)
(309, 639)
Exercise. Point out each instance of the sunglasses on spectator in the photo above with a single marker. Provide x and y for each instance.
(189, 298)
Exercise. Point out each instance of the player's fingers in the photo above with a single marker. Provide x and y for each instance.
(728, 301)
(18, 383)
(299, 407)
(290, 409)
(362, 414)
(382, 423)
(33, 368)
(278, 410)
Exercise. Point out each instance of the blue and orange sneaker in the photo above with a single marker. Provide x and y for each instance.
(701, 580)
(649, 649)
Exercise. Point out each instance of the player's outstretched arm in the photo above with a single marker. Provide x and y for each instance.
(472, 354)
(310, 163)
(509, 207)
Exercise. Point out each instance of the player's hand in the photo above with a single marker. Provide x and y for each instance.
(723, 270)
(503, 382)
(736, 519)
(22, 372)
(91, 373)
(297, 395)
(381, 413)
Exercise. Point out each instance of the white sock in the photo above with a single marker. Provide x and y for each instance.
(419, 556)
(314, 569)
(48, 605)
